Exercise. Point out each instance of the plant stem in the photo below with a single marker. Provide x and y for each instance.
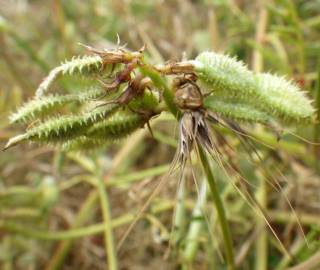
(180, 213)
(78, 232)
(262, 241)
(108, 234)
(160, 83)
(220, 210)
(317, 125)
(261, 260)
(192, 239)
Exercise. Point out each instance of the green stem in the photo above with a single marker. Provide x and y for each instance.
(108, 234)
(220, 210)
(262, 240)
(192, 239)
(75, 233)
(180, 214)
(317, 124)
(161, 84)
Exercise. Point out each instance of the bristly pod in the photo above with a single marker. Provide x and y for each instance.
(83, 143)
(286, 101)
(228, 78)
(60, 129)
(85, 65)
(114, 128)
(149, 101)
(41, 106)
(118, 125)
(238, 111)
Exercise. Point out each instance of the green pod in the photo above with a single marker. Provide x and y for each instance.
(283, 99)
(237, 111)
(117, 126)
(82, 65)
(85, 65)
(148, 101)
(224, 75)
(60, 129)
(228, 78)
(83, 143)
(39, 107)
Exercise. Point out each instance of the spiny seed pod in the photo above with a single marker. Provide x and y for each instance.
(114, 128)
(38, 107)
(223, 75)
(77, 66)
(149, 100)
(284, 99)
(83, 143)
(60, 129)
(117, 126)
(237, 110)
(228, 78)
(82, 65)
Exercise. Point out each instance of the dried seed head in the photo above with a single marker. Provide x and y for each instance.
(176, 68)
(187, 94)
(193, 128)
(116, 56)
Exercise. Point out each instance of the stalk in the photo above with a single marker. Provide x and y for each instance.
(108, 233)
(317, 125)
(261, 261)
(80, 232)
(180, 214)
(160, 83)
(221, 213)
(192, 239)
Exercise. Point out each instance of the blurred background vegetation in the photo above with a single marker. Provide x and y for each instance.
(50, 214)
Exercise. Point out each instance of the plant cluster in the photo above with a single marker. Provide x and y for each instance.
(126, 92)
